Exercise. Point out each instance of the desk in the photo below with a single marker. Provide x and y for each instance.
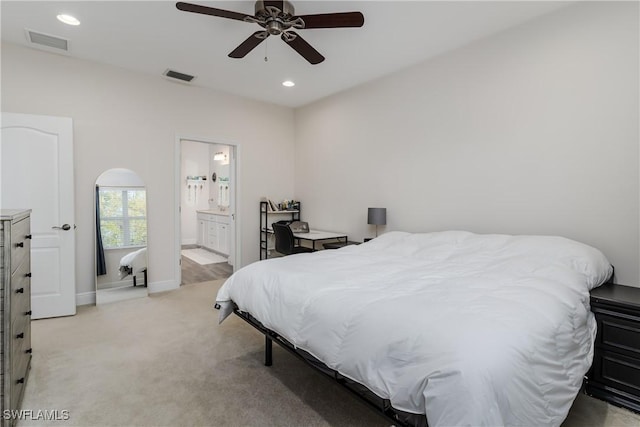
(316, 235)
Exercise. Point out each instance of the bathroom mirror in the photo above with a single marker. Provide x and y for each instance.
(120, 236)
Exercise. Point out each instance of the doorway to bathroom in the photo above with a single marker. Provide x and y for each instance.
(207, 207)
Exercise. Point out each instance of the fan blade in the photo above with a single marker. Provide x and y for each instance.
(333, 20)
(205, 10)
(302, 47)
(249, 44)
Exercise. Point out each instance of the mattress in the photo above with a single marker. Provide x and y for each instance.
(467, 329)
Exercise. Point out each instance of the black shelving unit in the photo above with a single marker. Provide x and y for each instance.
(267, 218)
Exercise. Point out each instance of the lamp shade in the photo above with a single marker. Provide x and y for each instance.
(377, 216)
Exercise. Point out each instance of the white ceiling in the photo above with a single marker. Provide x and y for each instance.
(151, 36)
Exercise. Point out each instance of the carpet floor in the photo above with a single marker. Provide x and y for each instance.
(164, 361)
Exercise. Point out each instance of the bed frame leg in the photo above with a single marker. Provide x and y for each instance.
(268, 346)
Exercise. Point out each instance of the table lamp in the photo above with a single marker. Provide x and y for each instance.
(377, 216)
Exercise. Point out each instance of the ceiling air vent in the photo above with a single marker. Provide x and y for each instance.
(172, 74)
(47, 40)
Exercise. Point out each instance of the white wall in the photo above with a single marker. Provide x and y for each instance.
(533, 130)
(222, 170)
(118, 177)
(131, 120)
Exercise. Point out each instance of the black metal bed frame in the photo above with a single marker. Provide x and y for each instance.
(380, 405)
(373, 401)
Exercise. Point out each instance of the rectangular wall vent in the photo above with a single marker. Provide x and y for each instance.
(48, 40)
(179, 76)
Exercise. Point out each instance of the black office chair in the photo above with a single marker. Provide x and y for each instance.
(285, 241)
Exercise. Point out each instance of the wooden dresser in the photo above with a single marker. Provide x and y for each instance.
(615, 374)
(15, 329)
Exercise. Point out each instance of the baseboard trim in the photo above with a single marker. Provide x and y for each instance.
(165, 285)
(86, 298)
(89, 298)
(118, 284)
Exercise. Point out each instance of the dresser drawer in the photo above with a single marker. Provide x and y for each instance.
(620, 333)
(617, 371)
(20, 352)
(20, 333)
(19, 362)
(20, 291)
(17, 391)
(20, 244)
(19, 380)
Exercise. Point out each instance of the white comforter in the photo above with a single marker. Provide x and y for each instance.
(133, 263)
(468, 329)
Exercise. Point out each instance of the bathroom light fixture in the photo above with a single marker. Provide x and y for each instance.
(288, 83)
(220, 156)
(68, 19)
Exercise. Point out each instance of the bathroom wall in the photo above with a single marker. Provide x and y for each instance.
(221, 169)
(194, 196)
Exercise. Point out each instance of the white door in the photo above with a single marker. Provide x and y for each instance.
(231, 229)
(36, 154)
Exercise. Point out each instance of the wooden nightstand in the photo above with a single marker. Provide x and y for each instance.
(615, 374)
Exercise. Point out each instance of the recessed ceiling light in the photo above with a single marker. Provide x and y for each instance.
(68, 19)
(288, 83)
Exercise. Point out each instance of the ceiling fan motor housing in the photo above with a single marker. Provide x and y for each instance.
(275, 15)
(285, 9)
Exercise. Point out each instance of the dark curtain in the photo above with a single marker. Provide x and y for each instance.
(101, 266)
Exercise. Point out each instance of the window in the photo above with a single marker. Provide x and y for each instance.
(123, 217)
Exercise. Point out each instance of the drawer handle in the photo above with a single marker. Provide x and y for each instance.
(20, 291)
(20, 245)
(20, 381)
(28, 236)
(27, 275)
(20, 335)
(27, 313)
(28, 351)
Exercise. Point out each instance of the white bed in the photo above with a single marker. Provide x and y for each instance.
(468, 329)
(133, 263)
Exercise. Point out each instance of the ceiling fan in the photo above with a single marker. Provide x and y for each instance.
(278, 19)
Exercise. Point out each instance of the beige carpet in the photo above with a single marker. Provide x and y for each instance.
(164, 361)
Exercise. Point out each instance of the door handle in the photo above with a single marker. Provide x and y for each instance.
(65, 227)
